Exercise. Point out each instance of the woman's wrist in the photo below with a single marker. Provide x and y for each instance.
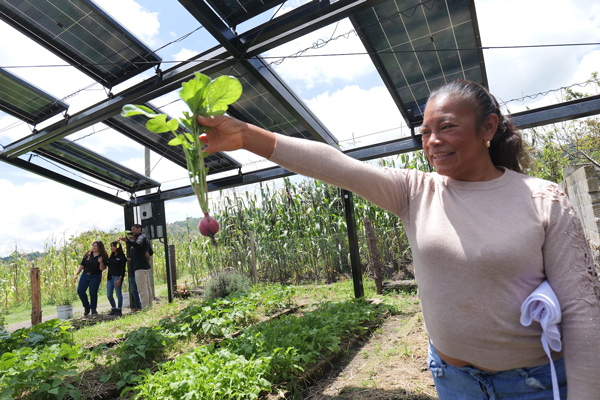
(259, 141)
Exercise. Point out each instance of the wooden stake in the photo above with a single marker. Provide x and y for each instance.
(36, 296)
(253, 250)
(374, 255)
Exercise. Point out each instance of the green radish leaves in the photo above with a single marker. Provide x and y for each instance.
(204, 97)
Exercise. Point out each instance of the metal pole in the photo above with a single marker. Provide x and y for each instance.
(353, 243)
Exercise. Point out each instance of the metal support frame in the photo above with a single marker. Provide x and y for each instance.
(560, 112)
(46, 173)
(348, 199)
(281, 31)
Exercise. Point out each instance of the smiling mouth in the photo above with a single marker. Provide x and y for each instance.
(441, 156)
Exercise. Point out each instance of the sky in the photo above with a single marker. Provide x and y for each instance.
(34, 209)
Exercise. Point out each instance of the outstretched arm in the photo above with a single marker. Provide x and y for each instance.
(383, 187)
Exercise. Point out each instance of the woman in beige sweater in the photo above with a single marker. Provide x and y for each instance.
(483, 237)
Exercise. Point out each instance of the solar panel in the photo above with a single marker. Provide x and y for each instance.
(26, 102)
(83, 160)
(135, 129)
(81, 33)
(421, 46)
(262, 108)
(234, 12)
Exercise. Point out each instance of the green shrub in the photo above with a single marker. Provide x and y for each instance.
(206, 374)
(47, 333)
(225, 283)
(40, 372)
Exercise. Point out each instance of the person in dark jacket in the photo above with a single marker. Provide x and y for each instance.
(91, 267)
(116, 274)
(138, 254)
(137, 304)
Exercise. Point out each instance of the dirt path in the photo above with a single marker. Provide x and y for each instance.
(391, 364)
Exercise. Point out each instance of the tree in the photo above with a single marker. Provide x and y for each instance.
(572, 143)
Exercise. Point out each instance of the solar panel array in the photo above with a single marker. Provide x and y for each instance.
(83, 160)
(420, 46)
(26, 102)
(416, 47)
(234, 12)
(260, 107)
(82, 34)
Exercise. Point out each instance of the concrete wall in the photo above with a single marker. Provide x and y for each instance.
(583, 188)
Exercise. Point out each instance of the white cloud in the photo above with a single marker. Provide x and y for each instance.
(36, 210)
(308, 72)
(184, 55)
(136, 18)
(516, 72)
(371, 111)
(589, 63)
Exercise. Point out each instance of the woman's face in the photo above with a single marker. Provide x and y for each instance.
(113, 248)
(451, 142)
(95, 247)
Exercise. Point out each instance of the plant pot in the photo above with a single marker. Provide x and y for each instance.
(125, 300)
(65, 312)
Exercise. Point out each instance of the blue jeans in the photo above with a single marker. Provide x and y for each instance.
(134, 291)
(110, 286)
(469, 383)
(91, 281)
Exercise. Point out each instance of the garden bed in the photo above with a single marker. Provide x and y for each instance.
(278, 349)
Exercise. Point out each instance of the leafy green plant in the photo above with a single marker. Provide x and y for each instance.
(207, 374)
(41, 372)
(143, 344)
(225, 283)
(46, 333)
(216, 318)
(204, 97)
(292, 343)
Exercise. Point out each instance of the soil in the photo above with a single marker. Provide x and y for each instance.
(390, 364)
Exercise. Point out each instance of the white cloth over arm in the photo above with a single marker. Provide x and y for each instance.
(542, 306)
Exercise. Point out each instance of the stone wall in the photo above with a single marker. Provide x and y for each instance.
(583, 188)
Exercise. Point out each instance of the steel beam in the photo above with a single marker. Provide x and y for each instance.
(560, 112)
(348, 199)
(260, 70)
(46, 173)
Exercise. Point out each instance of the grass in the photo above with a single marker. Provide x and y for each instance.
(22, 313)
(108, 331)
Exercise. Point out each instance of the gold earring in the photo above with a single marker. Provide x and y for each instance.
(487, 144)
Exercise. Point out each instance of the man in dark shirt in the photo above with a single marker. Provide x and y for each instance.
(140, 263)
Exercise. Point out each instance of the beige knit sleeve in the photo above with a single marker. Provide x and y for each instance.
(386, 188)
(570, 271)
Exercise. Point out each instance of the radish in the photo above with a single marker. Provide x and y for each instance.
(209, 226)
